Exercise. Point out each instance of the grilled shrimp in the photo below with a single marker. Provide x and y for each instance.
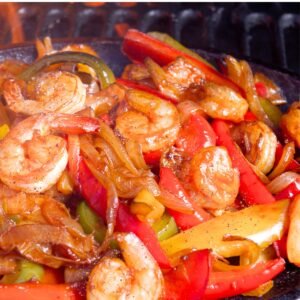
(32, 158)
(139, 277)
(151, 122)
(176, 79)
(215, 182)
(290, 123)
(55, 91)
(222, 102)
(258, 143)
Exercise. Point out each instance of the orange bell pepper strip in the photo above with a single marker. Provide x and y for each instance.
(138, 45)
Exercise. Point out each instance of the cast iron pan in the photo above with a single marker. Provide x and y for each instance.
(287, 284)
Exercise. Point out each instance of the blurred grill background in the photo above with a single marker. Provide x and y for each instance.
(267, 33)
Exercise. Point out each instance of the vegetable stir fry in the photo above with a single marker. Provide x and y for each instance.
(173, 181)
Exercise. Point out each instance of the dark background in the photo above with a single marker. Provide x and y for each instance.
(267, 33)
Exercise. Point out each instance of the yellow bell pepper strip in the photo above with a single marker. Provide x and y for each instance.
(252, 190)
(165, 227)
(103, 72)
(146, 199)
(293, 245)
(227, 284)
(27, 271)
(90, 222)
(4, 129)
(138, 46)
(165, 38)
(263, 224)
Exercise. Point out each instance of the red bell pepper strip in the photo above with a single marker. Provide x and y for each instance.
(137, 46)
(169, 182)
(137, 86)
(195, 134)
(293, 166)
(290, 192)
(127, 222)
(227, 284)
(281, 246)
(250, 116)
(91, 190)
(152, 158)
(261, 89)
(252, 190)
(188, 281)
(37, 291)
(96, 197)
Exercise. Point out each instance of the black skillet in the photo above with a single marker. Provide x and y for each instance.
(287, 284)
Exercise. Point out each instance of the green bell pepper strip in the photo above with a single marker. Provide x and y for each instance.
(272, 111)
(165, 227)
(165, 38)
(27, 271)
(103, 72)
(90, 222)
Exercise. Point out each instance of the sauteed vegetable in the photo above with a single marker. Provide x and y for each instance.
(173, 181)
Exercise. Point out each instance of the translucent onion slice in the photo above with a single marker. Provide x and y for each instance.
(282, 181)
(286, 158)
(108, 135)
(135, 153)
(112, 201)
(178, 204)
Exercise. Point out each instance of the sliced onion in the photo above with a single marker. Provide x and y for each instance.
(89, 151)
(42, 254)
(171, 201)
(286, 158)
(130, 186)
(247, 82)
(112, 158)
(108, 135)
(282, 181)
(57, 214)
(80, 245)
(112, 201)
(264, 179)
(187, 108)
(135, 153)
(73, 154)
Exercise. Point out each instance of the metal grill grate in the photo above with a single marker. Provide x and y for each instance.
(262, 32)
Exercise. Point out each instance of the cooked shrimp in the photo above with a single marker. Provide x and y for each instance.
(258, 143)
(55, 92)
(137, 277)
(222, 102)
(215, 182)
(152, 122)
(176, 78)
(104, 100)
(290, 123)
(32, 159)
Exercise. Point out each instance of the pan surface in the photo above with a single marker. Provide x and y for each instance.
(287, 284)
